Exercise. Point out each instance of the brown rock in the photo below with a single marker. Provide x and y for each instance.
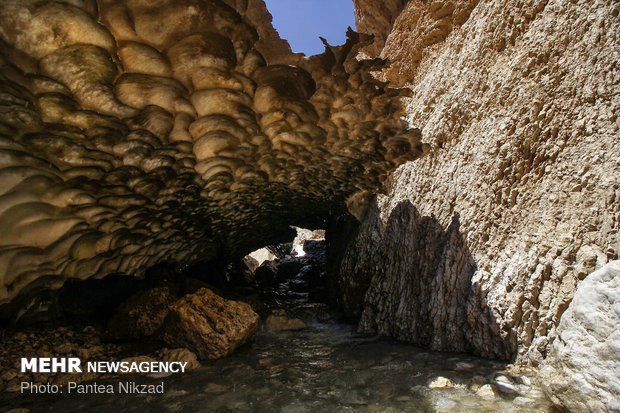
(142, 314)
(276, 322)
(182, 355)
(209, 325)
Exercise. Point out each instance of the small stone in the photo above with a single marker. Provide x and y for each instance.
(477, 382)
(441, 383)
(505, 385)
(461, 366)
(486, 392)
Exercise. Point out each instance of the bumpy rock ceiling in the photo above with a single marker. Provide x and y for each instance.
(135, 131)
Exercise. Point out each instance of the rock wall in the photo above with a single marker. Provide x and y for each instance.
(138, 131)
(480, 245)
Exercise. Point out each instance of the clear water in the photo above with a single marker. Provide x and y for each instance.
(324, 368)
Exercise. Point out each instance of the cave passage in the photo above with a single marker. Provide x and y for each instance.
(302, 358)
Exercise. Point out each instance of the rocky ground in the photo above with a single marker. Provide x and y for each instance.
(300, 358)
(161, 321)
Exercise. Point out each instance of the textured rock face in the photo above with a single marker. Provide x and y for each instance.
(134, 132)
(142, 314)
(377, 18)
(519, 107)
(582, 370)
(209, 325)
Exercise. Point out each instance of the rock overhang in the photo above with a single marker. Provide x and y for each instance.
(135, 132)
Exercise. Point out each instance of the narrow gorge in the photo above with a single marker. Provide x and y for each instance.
(424, 218)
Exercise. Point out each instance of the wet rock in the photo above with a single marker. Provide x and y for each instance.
(289, 267)
(505, 385)
(182, 355)
(464, 366)
(441, 383)
(216, 388)
(142, 314)
(316, 251)
(581, 370)
(280, 322)
(299, 285)
(208, 324)
(486, 392)
(476, 382)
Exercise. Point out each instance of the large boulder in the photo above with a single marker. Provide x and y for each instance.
(582, 371)
(142, 314)
(209, 325)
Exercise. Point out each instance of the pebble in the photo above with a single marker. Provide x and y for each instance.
(505, 385)
(486, 392)
(441, 383)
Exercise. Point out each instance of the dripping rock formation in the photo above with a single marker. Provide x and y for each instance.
(135, 132)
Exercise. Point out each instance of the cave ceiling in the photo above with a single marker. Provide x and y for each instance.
(138, 131)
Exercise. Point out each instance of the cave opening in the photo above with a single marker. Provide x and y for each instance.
(301, 22)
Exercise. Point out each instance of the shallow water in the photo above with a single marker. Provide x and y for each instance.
(326, 367)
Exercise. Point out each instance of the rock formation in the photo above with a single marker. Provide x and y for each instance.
(208, 324)
(482, 244)
(581, 372)
(134, 132)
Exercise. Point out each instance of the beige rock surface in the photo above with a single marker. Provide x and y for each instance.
(519, 195)
(582, 371)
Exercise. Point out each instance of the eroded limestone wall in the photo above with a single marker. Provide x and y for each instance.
(520, 106)
(136, 131)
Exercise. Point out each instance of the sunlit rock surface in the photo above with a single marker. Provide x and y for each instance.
(482, 244)
(137, 131)
(581, 372)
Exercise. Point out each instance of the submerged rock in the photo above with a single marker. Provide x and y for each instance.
(209, 325)
(280, 322)
(582, 371)
(183, 355)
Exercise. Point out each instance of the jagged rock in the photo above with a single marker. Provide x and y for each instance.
(581, 370)
(251, 262)
(209, 325)
(142, 314)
